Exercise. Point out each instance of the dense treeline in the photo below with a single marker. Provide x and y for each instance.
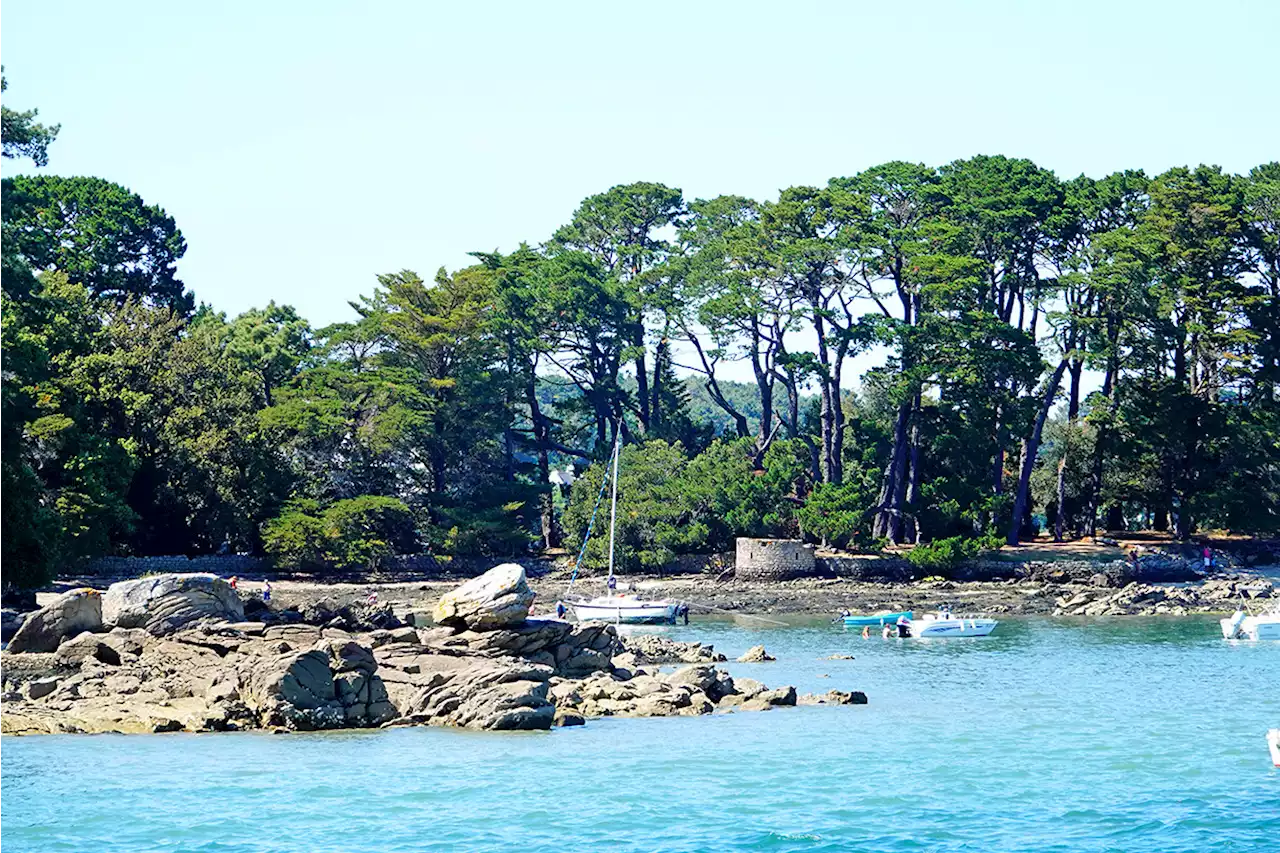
(1147, 308)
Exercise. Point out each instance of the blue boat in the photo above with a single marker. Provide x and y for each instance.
(878, 618)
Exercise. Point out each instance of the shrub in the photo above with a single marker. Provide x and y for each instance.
(944, 555)
(357, 532)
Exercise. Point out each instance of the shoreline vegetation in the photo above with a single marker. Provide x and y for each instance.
(1050, 355)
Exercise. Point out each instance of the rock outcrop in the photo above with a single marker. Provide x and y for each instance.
(164, 603)
(66, 616)
(657, 649)
(756, 654)
(1136, 599)
(170, 664)
(498, 598)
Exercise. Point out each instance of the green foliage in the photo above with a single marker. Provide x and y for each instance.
(23, 136)
(132, 424)
(99, 234)
(943, 556)
(357, 532)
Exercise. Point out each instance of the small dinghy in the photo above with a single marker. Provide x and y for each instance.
(1273, 742)
(943, 624)
(880, 617)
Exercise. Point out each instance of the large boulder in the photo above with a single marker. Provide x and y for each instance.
(164, 603)
(498, 598)
(499, 693)
(78, 649)
(66, 616)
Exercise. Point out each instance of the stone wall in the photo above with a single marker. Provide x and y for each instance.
(866, 569)
(773, 559)
(132, 567)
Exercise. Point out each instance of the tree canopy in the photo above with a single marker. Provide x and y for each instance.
(1069, 355)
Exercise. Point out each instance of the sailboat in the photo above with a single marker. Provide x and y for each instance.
(613, 607)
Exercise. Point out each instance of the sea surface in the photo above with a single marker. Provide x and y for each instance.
(1128, 734)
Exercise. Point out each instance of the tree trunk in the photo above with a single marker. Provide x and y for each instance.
(1073, 413)
(642, 376)
(827, 416)
(1030, 448)
(887, 522)
(910, 522)
(541, 436)
(655, 395)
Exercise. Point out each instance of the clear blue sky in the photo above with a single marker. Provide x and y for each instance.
(305, 147)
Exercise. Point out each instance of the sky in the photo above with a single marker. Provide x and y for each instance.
(305, 147)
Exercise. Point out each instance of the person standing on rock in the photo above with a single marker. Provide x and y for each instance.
(1208, 557)
(233, 581)
(266, 590)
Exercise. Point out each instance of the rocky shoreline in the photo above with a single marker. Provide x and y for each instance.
(179, 653)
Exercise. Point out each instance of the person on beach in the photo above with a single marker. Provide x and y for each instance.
(373, 598)
(1208, 557)
(266, 590)
(560, 610)
(612, 583)
(234, 580)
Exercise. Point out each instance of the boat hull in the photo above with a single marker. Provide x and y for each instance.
(876, 619)
(1241, 627)
(936, 628)
(626, 613)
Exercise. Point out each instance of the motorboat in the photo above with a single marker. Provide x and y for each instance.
(880, 617)
(619, 609)
(625, 610)
(1273, 742)
(1242, 625)
(943, 624)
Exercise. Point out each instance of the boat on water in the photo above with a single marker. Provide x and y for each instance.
(1242, 625)
(880, 617)
(1273, 743)
(620, 609)
(943, 624)
(626, 610)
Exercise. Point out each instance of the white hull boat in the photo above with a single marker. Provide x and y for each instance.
(933, 625)
(625, 610)
(1243, 626)
(1273, 742)
(613, 608)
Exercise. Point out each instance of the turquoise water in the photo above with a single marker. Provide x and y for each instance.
(1130, 734)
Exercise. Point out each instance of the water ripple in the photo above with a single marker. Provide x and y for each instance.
(1053, 735)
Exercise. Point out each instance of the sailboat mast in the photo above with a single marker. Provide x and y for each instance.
(613, 508)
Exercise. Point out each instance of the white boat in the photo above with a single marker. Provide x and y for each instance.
(625, 610)
(615, 608)
(1273, 742)
(943, 624)
(1245, 626)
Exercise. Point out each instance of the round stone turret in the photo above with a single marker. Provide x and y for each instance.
(772, 559)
